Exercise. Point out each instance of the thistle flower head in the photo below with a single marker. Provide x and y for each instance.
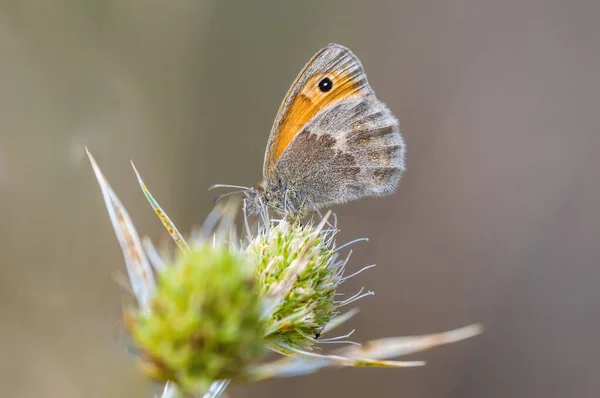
(303, 255)
(204, 322)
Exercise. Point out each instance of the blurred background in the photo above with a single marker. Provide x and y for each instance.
(496, 221)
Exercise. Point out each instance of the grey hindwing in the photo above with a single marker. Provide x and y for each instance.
(349, 150)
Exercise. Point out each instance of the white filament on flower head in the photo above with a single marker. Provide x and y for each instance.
(338, 339)
(328, 237)
(341, 267)
(338, 320)
(351, 243)
(357, 272)
(336, 342)
(340, 264)
(354, 298)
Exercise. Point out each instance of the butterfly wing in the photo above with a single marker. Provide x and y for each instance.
(305, 98)
(350, 150)
(338, 145)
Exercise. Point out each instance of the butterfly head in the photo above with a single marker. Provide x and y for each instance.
(255, 200)
(278, 197)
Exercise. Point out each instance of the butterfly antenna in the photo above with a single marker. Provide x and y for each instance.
(226, 194)
(229, 186)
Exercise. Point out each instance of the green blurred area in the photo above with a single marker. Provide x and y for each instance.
(496, 220)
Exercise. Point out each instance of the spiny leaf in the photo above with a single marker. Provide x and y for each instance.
(398, 346)
(138, 266)
(372, 354)
(164, 218)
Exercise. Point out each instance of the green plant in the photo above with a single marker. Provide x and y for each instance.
(208, 314)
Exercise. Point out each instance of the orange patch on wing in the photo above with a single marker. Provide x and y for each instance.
(307, 103)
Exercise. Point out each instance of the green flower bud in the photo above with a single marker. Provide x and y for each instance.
(308, 304)
(204, 322)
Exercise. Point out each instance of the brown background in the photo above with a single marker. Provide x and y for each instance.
(497, 219)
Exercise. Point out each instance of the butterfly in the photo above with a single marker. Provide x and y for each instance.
(332, 141)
